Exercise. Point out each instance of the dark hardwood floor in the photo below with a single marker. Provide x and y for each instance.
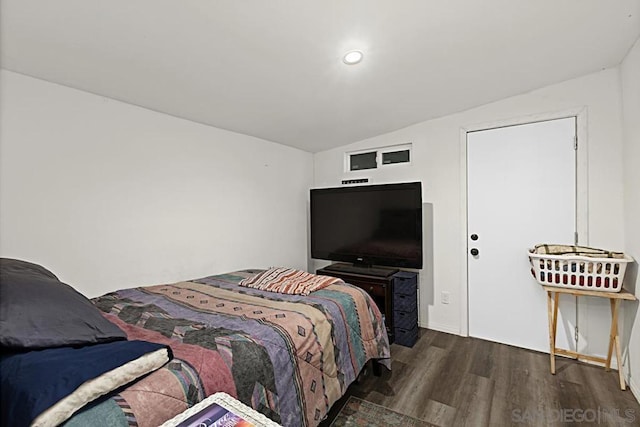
(450, 380)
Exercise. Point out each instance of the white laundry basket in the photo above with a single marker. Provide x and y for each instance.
(578, 267)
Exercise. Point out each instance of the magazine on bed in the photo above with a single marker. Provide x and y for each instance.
(215, 415)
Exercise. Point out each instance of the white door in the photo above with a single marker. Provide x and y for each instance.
(521, 189)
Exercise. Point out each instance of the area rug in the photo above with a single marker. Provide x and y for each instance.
(358, 412)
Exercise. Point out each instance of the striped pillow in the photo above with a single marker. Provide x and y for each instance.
(288, 281)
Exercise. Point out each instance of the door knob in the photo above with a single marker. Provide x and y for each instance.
(474, 251)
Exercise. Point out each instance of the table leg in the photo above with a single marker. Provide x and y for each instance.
(615, 304)
(552, 331)
(612, 333)
(556, 305)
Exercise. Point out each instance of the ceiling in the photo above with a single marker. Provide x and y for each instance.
(272, 69)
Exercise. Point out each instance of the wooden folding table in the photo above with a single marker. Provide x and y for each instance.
(553, 294)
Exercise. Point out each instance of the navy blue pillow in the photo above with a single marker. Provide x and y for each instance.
(39, 311)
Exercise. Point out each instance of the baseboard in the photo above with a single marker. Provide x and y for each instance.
(441, 328)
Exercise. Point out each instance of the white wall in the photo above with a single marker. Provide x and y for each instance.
(630, 82)
(108, 195)
(438, 162)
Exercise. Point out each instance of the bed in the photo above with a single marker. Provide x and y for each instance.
(289, 356)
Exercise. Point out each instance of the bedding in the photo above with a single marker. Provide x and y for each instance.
(57, 351)
(45, 387)
(288, 356)
(552, 249)
(39, 311)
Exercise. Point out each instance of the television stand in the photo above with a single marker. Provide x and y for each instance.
(361, 270)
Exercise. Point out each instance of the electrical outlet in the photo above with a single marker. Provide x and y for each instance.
(444, 297)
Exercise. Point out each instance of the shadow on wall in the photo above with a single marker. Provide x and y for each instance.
(426, 274)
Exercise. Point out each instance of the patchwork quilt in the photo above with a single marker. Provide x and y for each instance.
(288, 356)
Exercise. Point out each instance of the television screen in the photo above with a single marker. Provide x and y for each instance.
(368, 225)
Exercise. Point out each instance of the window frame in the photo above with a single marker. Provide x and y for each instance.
(379, 154)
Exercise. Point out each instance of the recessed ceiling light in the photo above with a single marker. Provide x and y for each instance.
(352, 57)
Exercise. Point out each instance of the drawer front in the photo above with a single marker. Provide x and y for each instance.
(376, 289)
(404, 284)
(405, 319)
(405, 302)
(406, 337)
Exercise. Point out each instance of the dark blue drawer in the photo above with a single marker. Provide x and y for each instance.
(405, 302)
(405, 319)
(406, 337)
(405, 283)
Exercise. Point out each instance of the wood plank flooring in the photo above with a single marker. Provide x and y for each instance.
(450, 380)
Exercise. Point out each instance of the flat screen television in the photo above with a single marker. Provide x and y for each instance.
(368, 225)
